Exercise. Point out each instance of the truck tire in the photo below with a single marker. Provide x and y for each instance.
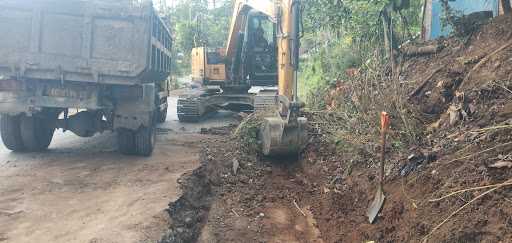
(36, 133)
(126, 141)
(145, 139)
(162, 116)
(11, 133)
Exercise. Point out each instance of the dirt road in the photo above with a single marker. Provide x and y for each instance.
(82, 190)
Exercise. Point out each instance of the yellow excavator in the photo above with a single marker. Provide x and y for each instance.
(257, 70)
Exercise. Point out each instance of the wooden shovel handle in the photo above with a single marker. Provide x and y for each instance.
(384, 123)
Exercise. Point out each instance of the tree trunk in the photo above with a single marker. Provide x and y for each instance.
(387, 36)
(505, 4)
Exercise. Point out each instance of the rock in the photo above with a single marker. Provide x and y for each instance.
(455, 115)
(189, 221)
(501, 164)
(236, 165)
(414, 161)
(506, 112)
(244, 179)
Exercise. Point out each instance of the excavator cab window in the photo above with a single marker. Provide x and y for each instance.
(263, 34)
(214, 57)
(260, 51)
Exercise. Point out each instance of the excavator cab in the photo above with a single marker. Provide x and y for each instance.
(254, 61)
(208, 66)
(259, 51)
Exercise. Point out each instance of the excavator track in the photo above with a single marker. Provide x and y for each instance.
(189, 109)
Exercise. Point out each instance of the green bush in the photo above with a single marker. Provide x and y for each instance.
(321, 68)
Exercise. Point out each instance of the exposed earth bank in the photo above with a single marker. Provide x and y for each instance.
(451, 185)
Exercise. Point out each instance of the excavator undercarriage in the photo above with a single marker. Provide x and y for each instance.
(192, 107)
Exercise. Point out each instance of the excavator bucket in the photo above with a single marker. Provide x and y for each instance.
(279, 138)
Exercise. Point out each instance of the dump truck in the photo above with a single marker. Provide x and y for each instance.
(85, 67)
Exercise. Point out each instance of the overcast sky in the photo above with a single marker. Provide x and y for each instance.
(171, 3)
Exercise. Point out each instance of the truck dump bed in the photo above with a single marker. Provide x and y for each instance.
(102, 41)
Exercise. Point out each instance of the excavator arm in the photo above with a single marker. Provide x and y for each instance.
(285, 133)
(251, 60)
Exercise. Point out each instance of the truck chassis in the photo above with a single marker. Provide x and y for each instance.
(85, 67)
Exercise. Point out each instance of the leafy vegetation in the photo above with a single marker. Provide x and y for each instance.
(197, 23)
(349, 34)
(343, 43)
(338, 34)
(347, 67)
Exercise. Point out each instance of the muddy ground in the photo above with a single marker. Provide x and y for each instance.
(441, 188)
(83, 190)
(451, 185)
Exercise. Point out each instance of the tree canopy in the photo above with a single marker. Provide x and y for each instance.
(197, 23)
(338, 33)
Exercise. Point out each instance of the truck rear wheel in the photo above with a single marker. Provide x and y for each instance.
(126, 141)
(162, 116)
(11, 133)
(145, 139)
(36, 133)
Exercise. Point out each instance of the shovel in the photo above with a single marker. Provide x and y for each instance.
(378, 201)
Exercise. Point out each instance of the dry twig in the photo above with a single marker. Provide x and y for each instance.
(413, 201)
(491, 128)
(487, 58)
(427, 237)
(507, 183)
(503, 87)
(424, 83)
(481, 152)
(298, 208)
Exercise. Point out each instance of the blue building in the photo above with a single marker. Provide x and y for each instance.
(432, 26)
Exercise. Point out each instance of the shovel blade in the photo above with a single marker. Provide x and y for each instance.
(376, 205)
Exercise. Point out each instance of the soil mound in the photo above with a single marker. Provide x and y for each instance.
(455, 185)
